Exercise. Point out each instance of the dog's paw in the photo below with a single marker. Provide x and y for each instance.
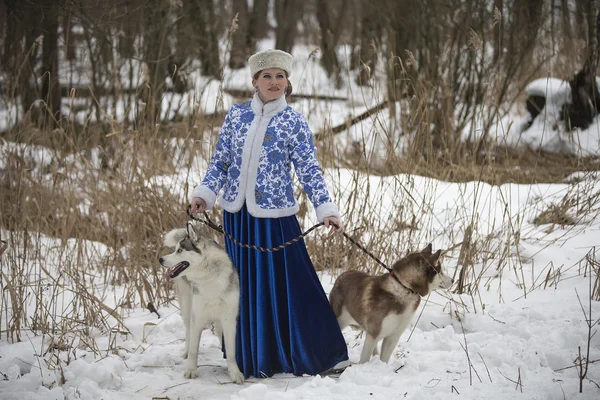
(190, 373)
(236, 376)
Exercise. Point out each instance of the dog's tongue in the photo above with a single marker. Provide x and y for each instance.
(177, 269)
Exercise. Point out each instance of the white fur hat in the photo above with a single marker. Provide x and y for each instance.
(270, 59)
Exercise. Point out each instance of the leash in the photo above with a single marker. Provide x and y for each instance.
(389, 270)
(219, 228)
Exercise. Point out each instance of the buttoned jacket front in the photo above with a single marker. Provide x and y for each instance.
(258, 143)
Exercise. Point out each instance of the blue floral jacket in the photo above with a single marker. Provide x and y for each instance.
(257, 145)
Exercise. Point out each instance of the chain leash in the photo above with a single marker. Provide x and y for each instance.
(219, 228)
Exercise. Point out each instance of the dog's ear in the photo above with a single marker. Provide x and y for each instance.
(427, 250)
(175, 236)
(193, 234)
(433, 259)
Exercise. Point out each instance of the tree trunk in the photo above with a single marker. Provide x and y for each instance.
(239, 38)
(50, 84)
(355, 32)
(287, 13)
(526, 23)
(130, 27)
(20, 51)
(209, 44)
(402, 29)
(12, 34)
(70, 54)
(252, 25)
(498, 31)
(369, 39)
(155, 55)
(258, 27)
(580, 14)
(583, 108)
(30, 58)
(566, 20)
(329, 58)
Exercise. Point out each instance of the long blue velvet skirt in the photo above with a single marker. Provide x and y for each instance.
(286, 323)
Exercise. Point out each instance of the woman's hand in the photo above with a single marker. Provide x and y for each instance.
(335, 223)
(198, 206)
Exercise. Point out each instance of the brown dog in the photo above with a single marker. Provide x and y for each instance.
(384, 305)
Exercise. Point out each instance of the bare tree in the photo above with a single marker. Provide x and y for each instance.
(525, 22)
(156, 55)
(21, 49)
(401, 31)
(258, 26)
(566, 18)
(207, 27)
(580, 18)
(583, 107)
(498, 38)
(238, 54)
(252, 25)
(287, 13)
(370, 40)
(330, 34)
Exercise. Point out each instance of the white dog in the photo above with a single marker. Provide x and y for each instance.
(384, 305)
(208, 289)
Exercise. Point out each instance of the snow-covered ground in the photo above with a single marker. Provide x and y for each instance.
(517, 337)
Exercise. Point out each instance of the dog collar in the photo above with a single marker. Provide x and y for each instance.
(401, 284)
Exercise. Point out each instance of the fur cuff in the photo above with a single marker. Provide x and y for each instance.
(208, 195)
(327, 210)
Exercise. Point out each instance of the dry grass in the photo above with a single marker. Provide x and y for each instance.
(84, 241)
(70, 197)
(507, 166)
(84, 225)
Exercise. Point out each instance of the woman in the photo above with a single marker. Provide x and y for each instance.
(285, 322)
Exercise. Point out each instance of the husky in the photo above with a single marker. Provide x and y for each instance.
(384, 305)
(208, 290)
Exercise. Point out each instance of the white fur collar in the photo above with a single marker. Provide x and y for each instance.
(269, 109)
(249, 170)
(263, 113)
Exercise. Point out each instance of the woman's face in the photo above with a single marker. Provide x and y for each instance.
(271, 84)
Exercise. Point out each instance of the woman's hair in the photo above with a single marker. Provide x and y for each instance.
(288, 89)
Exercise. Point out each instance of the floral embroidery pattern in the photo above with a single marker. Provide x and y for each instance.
(287, 140)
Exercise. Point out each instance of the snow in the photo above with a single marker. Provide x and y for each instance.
(547, 132)
(550, 88)
(515, 337)
(515, 330)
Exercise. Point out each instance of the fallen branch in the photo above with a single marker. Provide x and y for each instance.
(348, 123)
(247, 94)
(574, 366)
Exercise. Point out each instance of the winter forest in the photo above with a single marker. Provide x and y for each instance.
(456, 55)
(469, 124)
